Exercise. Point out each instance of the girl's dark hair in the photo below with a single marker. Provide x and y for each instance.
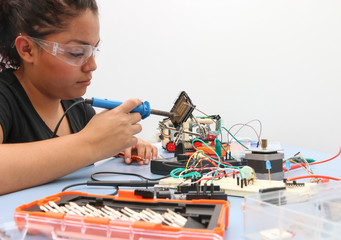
(36, 18)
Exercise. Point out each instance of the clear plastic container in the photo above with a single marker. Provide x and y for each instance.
(314, 214)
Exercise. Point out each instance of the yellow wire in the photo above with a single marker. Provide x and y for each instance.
(191, 158)
(199, 162)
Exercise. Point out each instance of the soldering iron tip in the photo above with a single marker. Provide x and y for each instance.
(163, 113)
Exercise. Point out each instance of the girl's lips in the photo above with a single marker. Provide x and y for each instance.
(85, 82)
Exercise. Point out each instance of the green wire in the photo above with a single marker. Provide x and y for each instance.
(310, 160)
(191, 174)
(219, 163)
(195, 174)
(231, 136)
(241, 176)
(299, 159)
(226, 152)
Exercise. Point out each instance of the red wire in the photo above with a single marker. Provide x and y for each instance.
(212, 162)
(313, 176)
(323, 161)
(216, 164)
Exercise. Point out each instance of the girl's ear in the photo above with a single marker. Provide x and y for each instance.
(25, 48)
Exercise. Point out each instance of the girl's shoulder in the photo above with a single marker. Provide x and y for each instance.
(7, 77)
(9, 84)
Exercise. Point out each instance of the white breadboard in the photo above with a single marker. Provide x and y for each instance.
(230, 187)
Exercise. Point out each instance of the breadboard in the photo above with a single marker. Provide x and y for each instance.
(230, 187)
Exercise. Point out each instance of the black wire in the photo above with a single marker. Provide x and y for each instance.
(79, 184)
(60, 121)
(73, 185)
(114, 193)
(132, 174)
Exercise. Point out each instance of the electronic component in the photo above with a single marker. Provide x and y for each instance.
(248, 173)
(197, 191)
(234, 186)
(293, 183)
(271, 189)
(192, 187)
(265, 161)
(164, 194)
(165, 166)
(206, 195)
(144, 193)
(205, 192)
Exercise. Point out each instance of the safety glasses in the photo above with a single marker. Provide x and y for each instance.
(75, 55)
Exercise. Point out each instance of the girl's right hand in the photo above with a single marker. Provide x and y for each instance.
(112, 131)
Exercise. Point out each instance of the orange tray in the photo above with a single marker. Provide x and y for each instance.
(206, 219)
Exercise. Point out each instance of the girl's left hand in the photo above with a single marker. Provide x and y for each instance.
(142, 149)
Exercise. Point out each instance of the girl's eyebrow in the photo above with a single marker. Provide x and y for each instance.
(82, 42)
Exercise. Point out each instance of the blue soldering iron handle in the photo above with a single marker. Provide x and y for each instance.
(143, 109)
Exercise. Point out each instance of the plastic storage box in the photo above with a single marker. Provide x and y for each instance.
(313, 214)
(209, 218)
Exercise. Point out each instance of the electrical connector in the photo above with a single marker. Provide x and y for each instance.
(145, 193)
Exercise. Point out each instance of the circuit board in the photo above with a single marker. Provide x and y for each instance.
(231, 186)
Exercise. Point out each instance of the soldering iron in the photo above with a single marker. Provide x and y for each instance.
(144, 109)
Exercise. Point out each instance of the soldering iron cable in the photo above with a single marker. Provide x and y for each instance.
(54, 134)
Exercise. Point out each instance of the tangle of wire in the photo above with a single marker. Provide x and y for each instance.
(299, 161)
(215, 172)
(193, 171)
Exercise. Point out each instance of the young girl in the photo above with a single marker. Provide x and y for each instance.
(47, 56)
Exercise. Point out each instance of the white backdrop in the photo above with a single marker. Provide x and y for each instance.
(276, 61)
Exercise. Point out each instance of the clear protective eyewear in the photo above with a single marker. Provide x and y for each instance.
(75, 55)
